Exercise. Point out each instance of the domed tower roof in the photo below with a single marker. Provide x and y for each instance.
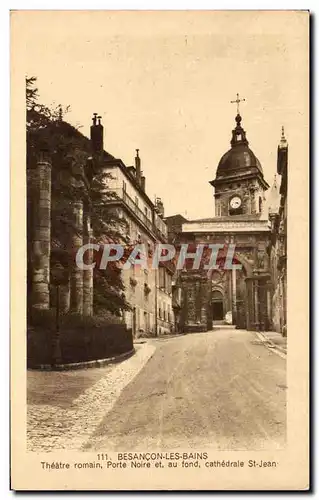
(240, 159)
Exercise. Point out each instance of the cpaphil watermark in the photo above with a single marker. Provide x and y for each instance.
(185, 256)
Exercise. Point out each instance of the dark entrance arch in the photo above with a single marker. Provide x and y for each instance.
(217, 306)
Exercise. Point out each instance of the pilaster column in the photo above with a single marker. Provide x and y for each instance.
(88, 273)
(41, 242)
(65, 297)
(256, 303)
(234, 295)
(76, 281)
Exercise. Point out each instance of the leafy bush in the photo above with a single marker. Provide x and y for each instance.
(82, 338)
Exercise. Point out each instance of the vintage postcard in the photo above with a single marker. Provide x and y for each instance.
(159, 251)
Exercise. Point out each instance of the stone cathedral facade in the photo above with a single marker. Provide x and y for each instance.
(242, 297)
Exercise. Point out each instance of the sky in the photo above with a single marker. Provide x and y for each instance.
(163, 82)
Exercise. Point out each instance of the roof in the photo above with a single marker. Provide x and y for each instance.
(239, 160)
(175, 219)
(58, 135)
(239, 157)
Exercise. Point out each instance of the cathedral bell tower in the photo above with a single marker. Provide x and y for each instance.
(239, 183)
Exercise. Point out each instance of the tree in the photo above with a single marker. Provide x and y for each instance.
(76, 174)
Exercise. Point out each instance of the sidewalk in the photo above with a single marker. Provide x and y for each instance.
(275, 341)
(65, 407)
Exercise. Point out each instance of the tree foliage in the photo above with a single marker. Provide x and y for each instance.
(76, 175)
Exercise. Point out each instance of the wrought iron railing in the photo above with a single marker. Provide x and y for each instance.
(140, 214)
(130, 203)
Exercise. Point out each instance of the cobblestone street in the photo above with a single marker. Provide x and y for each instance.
(64, 408)
(223, 389)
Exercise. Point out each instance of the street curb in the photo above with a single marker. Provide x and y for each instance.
(95, 363)
(271, 346)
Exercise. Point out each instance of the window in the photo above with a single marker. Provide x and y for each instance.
(146, 211)
(124, 186)
(136, 201)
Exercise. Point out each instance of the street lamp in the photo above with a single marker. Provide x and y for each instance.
(59, 276)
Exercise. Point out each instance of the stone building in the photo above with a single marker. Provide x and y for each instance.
(148, 291)
(278, 240)
(175, 225)
(241, 296)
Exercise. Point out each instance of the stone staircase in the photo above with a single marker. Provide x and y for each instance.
(221, 325)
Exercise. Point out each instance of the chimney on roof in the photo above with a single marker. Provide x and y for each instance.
(159, 207)
(143, 182)
(138, 167)
(97, 134)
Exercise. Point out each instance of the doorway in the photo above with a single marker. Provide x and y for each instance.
(217, 305)
(218, 310)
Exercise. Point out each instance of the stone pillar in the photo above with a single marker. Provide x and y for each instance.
(229, 297)
(41, 241)
(198, 302)
(269, 307)
(234, 295)
(248, 203)
(88, 274)
(247, 303)
(250, 303)
(256, 304)
(76, 241)
(253, 208)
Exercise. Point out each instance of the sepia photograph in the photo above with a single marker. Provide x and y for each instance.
(160, 205)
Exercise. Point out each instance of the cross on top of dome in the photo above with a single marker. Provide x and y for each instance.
(238, 134)
(238, 101)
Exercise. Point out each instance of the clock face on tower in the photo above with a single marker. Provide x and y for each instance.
(235, 202)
